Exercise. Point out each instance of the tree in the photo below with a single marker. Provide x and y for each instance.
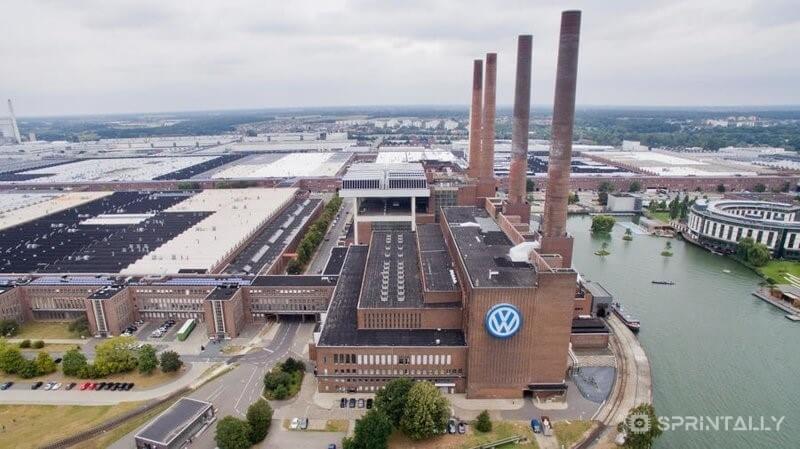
(426, 412)
(602, 224)
(372, 431)
(28, 369)
(38, 344)
(280, 392)
(8, 328)
(73, 363)
(148, 361)
(752, 253)
(80, 327)
(259, 416)
(530, 185)
(11, 359)
(115, 355)
(641, 427)
(25, 344)
(170, 361)
(291, 365)
(603, 190)
(721, 188)
(760, 188)
(232, 433)
(45, 363)
(484, 422)
(634, 186)
(391, 400)
(573, 198)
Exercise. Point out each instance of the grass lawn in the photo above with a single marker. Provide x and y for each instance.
(776, 269)
(569, 432)
(51, 347)
(32, 426)
(662, 215)
(106, 439)
(500, 430)
(42, 330)
(337, 425)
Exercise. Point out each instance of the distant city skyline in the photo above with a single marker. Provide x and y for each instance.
(94, 57)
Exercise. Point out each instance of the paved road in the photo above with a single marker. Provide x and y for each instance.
(232, 393)
(321, 257)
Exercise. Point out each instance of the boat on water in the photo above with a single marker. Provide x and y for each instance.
(663, 282)
(628, 320)
(792, 317)
(726, 271)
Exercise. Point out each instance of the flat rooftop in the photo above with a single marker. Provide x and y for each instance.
(392, 271)
(222, 292)
(106, 292)
(484, 249)
(174, 420)
(437, 266)
(340, 326)
(288, 280)
(335, 261)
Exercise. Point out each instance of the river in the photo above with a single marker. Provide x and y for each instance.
(714, 349)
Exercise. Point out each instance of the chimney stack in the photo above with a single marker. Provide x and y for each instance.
(13, 118)
(558, 171)
(486, 182)
(475, 117)
(520, 124)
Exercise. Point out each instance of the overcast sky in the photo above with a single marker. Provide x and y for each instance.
(99, 56)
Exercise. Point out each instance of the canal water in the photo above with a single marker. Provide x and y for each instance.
(715, 350)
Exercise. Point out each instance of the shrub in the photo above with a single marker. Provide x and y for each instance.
(280, 392)
(483, 423)
(148, 361)
(232, 433)
(8, 328)
(170, 361)
(25, 344)
(45, 364)
(602, 224)
(73, 363)
(115, 355)
(259, 416)
(80, 327)
(38, 344)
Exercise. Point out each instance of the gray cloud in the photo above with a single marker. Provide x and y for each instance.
(88, 56)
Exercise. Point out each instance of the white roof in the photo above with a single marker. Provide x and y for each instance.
(289, 165)
(39, 205)
(115, 169)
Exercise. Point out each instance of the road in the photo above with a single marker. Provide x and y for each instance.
(232, 393)
(321, 257)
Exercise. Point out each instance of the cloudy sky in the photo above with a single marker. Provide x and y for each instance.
(99, 56)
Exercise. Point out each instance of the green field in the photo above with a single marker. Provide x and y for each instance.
(776, 269)
(660, 215)
(43, 330)
(570, 432)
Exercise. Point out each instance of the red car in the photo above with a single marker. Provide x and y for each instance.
(86, 386)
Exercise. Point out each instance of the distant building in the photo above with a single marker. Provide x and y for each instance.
(624, 202)
(631, 145)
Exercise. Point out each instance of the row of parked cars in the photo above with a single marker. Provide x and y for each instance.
(158, 333)
(130, 330)
(352, 403)
(454, 427)
(52, 386)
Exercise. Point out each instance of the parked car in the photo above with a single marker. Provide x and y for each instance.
(87, 386)
(536, 426)
(57, 360)
(462, 427)
(70, 386)
(361, 403)
(451, 426)
(99, 386)
(49, 386)
(295, 423)
(6, 385)
(343, 403)
(369, 403)
(331, 446)
(130, 386)
(304, 424)
(352, 403)
(36, 385)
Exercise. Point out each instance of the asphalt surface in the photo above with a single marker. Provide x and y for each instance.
(233, 392)
(321, 258)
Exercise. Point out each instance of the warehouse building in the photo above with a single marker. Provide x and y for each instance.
(176, 427)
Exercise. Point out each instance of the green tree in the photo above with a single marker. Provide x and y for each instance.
(391, 400)
(11, 359)
(8, 328)
(80, 327)
(28, 369)
(73, 362)
(634, 186)
(484, 422)
(280, 392)
(426, 412)
(259, 416)
(602, 224)
(760, 188)
(232, 433)
(45, 363)
(530, 185)
(170, 361)
(603, 190)
(372, 431)
(115, 355)
(641, 427)
(38, 344)
(721, 188)
(573, 198)
(755, 254)
(148, 361)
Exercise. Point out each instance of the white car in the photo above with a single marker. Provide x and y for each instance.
(49, 385)
(295, 424)
(56, 386)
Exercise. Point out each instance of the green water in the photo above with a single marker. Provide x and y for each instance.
(714, 349)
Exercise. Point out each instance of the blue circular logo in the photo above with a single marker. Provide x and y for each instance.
(503, 320)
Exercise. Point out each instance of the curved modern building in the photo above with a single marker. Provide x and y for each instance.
(719, 225)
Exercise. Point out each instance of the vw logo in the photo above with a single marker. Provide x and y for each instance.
(503, 320)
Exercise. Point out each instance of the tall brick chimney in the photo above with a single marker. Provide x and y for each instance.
(554, 229)
(486, 183)
(520, 123)
(475, 117)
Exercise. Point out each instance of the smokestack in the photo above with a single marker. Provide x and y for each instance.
(557, 195)
(13, 118)
(475, 113)
(521, 120)
(487, 133)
